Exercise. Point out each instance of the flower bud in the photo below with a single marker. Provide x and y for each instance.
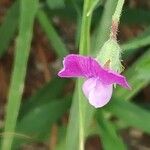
(110, 55)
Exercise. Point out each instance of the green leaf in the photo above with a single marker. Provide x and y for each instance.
(8, 27)
(52, 35)
(134, 44)
(38, 122)
(108, 135)
(55, 4)
(51, 90)
(28, 10)
(131, 114)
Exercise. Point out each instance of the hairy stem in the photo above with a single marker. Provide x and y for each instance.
(116, 19)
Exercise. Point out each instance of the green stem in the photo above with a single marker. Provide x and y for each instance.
(116, 19)
(27, 14)
(77, 126)
(84, 45)
(84, 48)
(117, 14)
(81, 116)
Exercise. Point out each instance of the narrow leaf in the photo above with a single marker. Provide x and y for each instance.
(28, 10)
(49, 92)
(108, 135)
(42, 117)
(52, 35)
(134, 44)
(131, 114)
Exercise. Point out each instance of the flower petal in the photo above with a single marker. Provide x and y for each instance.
(98, 94)
(88, 86)
(88, 67)
(79, 66)
(111, 77)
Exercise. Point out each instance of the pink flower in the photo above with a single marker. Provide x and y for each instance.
(98, 86)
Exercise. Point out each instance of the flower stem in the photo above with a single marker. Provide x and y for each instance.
(84, 48)
(80, 107)
(84, 45)
(116, 19)
(117, 14)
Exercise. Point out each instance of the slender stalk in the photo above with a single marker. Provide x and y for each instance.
(81, 115)
(84, 44)
(84, 48)
(118, 11)
(27, 14)
(76, 128)
(116, 19)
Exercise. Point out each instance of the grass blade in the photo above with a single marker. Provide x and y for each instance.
(132, 45)
(48, 114)
(52, 35)
(131, 114)
(108, 133)
(28, 10)
(44, 95)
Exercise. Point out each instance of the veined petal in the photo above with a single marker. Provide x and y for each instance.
(79, 66)
(88, 67)
(97, 93)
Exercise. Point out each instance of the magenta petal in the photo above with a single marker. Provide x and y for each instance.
(79, 66)
(111, 77)
(88, 67)
(97, 93)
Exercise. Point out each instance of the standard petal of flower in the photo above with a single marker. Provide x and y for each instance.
(96, 92)
(79, 66)
(88, 67)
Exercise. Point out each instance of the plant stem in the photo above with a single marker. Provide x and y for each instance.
(84, 48)
(117, 14)
(116, 19)
(84, 45)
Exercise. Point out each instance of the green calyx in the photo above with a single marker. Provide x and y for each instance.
(109, 55)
